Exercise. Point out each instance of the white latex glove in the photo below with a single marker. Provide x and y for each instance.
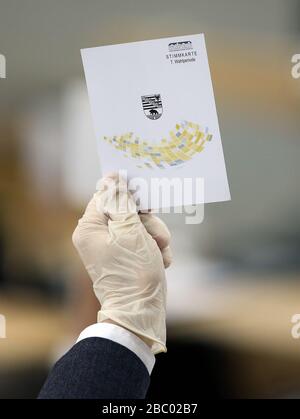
(125, 254)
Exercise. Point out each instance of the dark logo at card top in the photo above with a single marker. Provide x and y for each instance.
(152, 106)
(180, 46)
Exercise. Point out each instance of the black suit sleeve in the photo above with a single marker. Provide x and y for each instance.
(97, 368)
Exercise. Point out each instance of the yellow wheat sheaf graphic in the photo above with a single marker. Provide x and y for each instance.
(186, 140)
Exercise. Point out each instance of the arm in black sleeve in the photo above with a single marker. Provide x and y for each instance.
(97, 368)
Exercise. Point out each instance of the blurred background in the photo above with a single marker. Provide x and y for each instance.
(235, 281)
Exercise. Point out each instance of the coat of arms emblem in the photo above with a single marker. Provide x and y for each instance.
(152, 106)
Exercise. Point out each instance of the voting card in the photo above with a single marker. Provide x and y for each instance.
(155, 118)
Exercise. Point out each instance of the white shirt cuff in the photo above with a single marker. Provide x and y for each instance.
(122, 336)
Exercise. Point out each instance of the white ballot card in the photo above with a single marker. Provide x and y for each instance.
(155, 117)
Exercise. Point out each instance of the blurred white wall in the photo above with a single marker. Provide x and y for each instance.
(58, 147)
(80, 161)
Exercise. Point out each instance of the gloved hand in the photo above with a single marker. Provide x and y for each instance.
(125, 254)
